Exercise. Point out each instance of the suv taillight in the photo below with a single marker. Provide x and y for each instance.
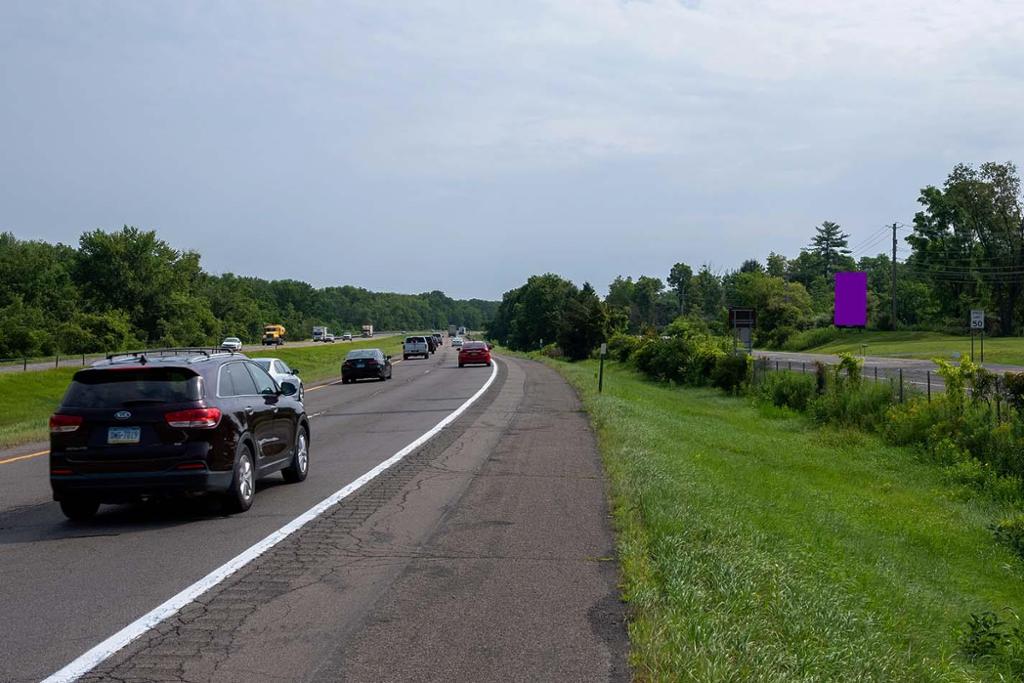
(197, 418)
(62, 424)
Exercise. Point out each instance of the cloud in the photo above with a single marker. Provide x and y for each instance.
(706, 131)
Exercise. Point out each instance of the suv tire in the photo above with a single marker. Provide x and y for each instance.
(79, 509)
(299, 468)
(243, 484)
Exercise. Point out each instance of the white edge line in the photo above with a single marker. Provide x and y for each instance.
(94, 656)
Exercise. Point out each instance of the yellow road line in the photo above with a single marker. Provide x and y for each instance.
(23, 457)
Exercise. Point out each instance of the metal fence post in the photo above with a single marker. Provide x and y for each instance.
(776, 366)
(928, 374)
(56, 361)
(876, 373)
(901, 385)
(803, 368)
(789, 366)
(83, 360)
(24, 364)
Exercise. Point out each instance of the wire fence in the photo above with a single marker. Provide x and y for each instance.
(27, 363)
(904, 383)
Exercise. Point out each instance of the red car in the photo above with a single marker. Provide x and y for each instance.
(474, 352)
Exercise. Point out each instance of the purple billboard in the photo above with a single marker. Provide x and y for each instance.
(851, 309)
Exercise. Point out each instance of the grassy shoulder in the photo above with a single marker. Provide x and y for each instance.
(27, 399)
(758, 546)
(925, 345)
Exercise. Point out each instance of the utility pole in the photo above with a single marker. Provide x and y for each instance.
(894, 225)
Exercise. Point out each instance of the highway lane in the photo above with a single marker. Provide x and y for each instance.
(66, 586)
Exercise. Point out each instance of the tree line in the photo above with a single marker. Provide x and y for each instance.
(966, 250)
(129, 288)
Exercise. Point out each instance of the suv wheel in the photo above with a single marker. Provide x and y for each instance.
(299, 468)
(243, 484)
(79, 509)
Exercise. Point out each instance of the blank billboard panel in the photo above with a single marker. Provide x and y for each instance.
(851, 309)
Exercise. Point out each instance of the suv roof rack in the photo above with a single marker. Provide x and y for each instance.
(205, 351)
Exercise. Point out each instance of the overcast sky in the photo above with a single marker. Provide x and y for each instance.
(463, 146)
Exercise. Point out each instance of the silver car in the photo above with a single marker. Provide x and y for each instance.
(280, 371)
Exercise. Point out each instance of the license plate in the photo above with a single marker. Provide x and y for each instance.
(360, 365)
(124, 434)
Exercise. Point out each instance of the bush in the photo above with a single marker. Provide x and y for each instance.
(788, 390)
(1010, 531)
(1013, 388)
(688, 359)
(732, 372)
(551, 351)
(853, 404)
(621, 346)
(809, 339)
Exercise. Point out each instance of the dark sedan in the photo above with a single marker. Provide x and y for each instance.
(365, 364)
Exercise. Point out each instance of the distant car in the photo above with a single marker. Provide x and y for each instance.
(431, 343)
(439, 339)
(415, 346)
(160, 424)
(328, 338)
(474, 353)
(365, 364)
(280, 371)
(457, 342)
(231, 344)
(346, 337)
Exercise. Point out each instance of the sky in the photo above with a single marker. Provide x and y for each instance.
(464, 145)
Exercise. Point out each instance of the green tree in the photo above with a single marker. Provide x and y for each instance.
(968, 242)
(583, 324)
(830, 247)
(679, 281)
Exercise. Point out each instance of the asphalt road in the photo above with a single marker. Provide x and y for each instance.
(486, 554)
(81, 360)
(916, 373)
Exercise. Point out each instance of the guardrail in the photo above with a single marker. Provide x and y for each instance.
(56, 361)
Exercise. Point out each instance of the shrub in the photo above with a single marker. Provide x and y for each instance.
(788, 390)
(1010, 531)
(809, 339)
(853, 404)
(621, 346)
(982, 636)
(551, 351)
(732, 372)
(1013, 388)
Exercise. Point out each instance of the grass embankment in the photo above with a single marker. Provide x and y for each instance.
(926, 345)
(758, 546)
(27, 399)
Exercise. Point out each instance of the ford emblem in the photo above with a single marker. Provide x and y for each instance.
(122, 415)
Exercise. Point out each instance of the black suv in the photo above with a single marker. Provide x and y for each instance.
(166, 422)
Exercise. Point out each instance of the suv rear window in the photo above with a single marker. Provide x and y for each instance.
(415, 340)
(123, 387)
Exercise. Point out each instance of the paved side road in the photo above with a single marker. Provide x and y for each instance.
(916, 372)
(487, 555)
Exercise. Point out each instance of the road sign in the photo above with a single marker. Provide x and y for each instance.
(604, 349)
(977, 319)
